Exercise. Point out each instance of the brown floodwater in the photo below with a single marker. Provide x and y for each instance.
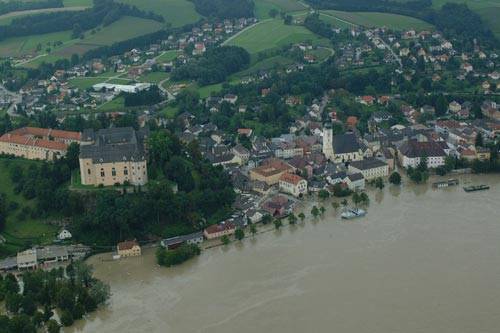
(422, 260)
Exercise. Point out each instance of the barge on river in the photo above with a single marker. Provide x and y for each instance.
(353, 213)
(474, 188)
(447, 183)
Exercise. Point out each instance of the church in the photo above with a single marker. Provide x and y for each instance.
(341, 148)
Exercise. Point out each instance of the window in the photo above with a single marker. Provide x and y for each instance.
(113, 172)
(125, 171)
(102, 172)
(88, 171)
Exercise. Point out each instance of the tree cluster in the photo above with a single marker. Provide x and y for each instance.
(103, 12)
(176, 256)
(148, 96)
(17, 6)
(225, 8)
(74, 294)
(44, 182)
(214, 66)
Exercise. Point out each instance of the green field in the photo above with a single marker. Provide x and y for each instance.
(154, 77)
(371, 19)
(176, 12)
(115, 32)
(271, 34)
(262, 7)
(168, 56)
(27, 44)
(20, 234)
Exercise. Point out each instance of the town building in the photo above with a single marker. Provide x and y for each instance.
(37, 143)
(370, 168)
(293, 184)
(114, 156)
(412, 151)
(174, 242)
(270, 171)
(27, 259)
(128, 249)
(341, 147)
(219, 230)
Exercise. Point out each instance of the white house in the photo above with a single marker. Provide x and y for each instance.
(292, 184)
(370, 168)
(412, 151)
(64, 234)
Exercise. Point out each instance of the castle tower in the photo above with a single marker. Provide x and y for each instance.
(328, 141)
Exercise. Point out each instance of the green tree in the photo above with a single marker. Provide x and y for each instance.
(395, 178)
(315, 211)
(335, 205)
(364, 198)
(479, 140)
(239, 234)
(379, 183)
(278, 223)
(322, 210)
(53, 326)
(356, 198)
(225, 240)
(323, 194)
(253, 229)
(273, 12)
(66, 318)
(292, 219)
(302, 217)
(266, 219)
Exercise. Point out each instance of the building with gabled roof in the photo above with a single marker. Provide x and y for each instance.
(37, 143)
(114, 156)
(293, 184)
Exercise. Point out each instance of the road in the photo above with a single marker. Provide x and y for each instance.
(15, 98)
(242, 31)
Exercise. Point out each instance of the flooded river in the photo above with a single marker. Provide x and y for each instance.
(422, 260)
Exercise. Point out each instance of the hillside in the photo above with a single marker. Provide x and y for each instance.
(176, 12)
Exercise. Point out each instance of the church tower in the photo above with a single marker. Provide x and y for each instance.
(328, 141)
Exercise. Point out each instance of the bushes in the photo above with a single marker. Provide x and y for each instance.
(395, 178)
(178, 256)
(210, 69)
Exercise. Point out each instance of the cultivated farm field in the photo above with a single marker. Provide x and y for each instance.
(176, 12)
(271, 34)
(373, 19)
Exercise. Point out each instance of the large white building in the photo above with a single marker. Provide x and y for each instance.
(114, 156)
(370, 168)
(412, 151)
(293, 184)
(126, 88)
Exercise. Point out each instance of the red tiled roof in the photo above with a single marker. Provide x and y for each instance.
(215, 228)
(290, 178)
(127, 245)
(46, 132)
(27, 141)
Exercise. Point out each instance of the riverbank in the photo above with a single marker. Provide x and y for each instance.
(426, 258)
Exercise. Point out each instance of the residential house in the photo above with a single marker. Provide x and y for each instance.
(293, 184)
(128, 249)
(219, 230)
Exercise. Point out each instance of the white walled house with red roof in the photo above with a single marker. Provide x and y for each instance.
(293, 184)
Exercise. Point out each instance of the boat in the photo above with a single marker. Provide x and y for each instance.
(352, 213)
(474, 188)
(447, 183)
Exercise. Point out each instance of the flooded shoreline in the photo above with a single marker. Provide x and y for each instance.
(422, 260)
